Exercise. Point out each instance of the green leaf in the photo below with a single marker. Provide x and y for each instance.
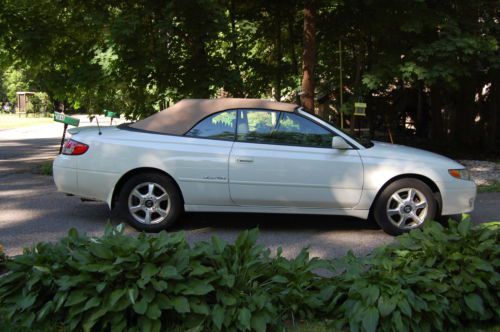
(116, 295)
(198, 287)
(200, 308)
(92, 303)
(279, 279)
(141, 306)
(370, 319)
(100, 251)
(244, 317)
(218, 316)
(153, 311)
(132, 294)
(181, 304)
(148, 271)
(259, 321)
(48, 307)
(464, 227)
(227, 299)
(73, 233)
(404, 306)
(370, 294)
(75, 297)
(199, 270)
(397, 321)
(218, 244)
(475, 303)
(169, 272)
(385, 306)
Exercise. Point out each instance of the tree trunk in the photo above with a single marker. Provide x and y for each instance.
(493, 110)
(420, 115)
(463, 124)
(279, 56)
(309, 56)
(437, 124)
(357, 81)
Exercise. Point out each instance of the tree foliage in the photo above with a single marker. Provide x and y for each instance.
(433, 64)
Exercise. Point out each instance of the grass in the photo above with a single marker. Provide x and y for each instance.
(489, 188)
(11, 121)
(46, 168)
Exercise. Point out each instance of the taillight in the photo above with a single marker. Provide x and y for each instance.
(74, 148)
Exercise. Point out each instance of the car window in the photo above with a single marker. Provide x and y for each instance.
(218, 126)
(295, 130)
(288, 129)
(256, 125)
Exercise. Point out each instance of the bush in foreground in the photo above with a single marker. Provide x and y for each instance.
(432, 279)
(3, 260)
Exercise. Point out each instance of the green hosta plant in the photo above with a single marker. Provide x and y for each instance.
(431, 279)
(150, 283)
(3, 259)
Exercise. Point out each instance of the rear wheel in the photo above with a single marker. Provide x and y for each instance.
(150, 202)
(404, 205)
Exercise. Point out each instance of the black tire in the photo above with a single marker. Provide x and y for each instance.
(171, 209)
(382, 205)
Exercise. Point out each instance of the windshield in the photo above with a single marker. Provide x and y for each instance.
(361, 140)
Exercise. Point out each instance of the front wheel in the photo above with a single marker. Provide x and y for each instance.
(150, 202)
(404, 205)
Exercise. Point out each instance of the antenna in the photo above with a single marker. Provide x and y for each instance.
(92, 117)
(98, 127)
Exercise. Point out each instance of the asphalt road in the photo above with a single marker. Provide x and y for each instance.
(31, 210)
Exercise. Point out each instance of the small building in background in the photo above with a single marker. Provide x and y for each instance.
(22, 101)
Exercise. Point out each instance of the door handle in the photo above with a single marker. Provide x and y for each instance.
(244, 160)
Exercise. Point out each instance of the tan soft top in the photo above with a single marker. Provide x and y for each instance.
(181, 117)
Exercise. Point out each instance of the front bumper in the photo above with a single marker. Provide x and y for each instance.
(458, 197)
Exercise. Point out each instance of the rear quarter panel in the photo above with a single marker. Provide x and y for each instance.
(186, 160)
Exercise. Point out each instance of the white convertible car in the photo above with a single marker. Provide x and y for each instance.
(248, 155)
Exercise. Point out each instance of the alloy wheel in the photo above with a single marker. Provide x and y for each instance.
(149, 203)
(407, 208)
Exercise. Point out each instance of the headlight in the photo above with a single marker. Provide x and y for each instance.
(461, 174)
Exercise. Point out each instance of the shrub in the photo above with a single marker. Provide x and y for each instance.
(433, 279)
(430, 279)
(3, 260)
(149, 283)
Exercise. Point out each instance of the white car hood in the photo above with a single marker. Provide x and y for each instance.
(406, 153)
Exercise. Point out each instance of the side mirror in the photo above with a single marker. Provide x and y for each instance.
(340, 143)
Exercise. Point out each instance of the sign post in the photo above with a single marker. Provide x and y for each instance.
(359, 110)
(67, 121)
(112, 115)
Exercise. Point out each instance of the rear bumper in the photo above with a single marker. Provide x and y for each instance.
(65, 178)
(458, 197)
(84, 183)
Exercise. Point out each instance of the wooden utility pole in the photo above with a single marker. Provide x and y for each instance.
(309, 56)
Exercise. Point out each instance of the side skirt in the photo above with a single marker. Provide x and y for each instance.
(362, 214)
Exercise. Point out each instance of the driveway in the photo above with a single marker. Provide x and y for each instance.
(33, 211)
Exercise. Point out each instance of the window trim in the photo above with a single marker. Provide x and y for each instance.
(209, 116)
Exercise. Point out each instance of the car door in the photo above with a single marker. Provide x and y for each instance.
(284, 159)
(201, 161)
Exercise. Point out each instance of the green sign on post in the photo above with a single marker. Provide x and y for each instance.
(110, 114)
(360, 109)
(67, 120)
